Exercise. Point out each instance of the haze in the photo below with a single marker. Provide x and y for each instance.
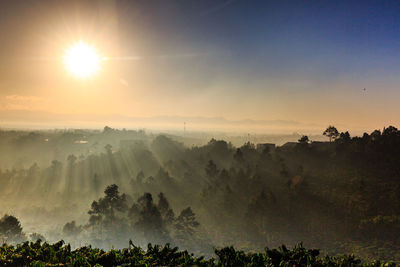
(263, 60)
(203, 124)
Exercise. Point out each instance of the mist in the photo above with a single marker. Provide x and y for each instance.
(199, 132)
(106, 187)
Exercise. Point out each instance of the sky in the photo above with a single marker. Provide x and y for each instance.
(305, 62)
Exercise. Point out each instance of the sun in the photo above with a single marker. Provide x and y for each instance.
(82, 60)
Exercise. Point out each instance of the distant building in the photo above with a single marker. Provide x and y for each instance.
(80, 142)
(265, 146)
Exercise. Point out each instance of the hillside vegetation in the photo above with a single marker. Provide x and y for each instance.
(58, 254)
(341, 196)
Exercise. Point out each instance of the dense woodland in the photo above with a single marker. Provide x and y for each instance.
(342, 195)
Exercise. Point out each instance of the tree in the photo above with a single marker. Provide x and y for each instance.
(71, 229)
(34, 237)
(104, 209)
(345, 137)
(186, 224)
(70, 173)
(108, 149)
(238, 156)
(108, 129)
(11, 230)
(71, 159)
(331, 132)
(304, 140)
(148, 219)
(390, 131)
(264, 218)
(166, 212)
(211, 169)
(375, 135)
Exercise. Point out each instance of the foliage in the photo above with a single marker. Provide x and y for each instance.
(149, 219)
(331, 132)
(186, 224)
(341, 196)
(10, 229)
(105, 208)
(304, 140)
(71, 229)
(59, 254)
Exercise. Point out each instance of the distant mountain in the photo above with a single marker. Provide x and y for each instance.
(42, 119)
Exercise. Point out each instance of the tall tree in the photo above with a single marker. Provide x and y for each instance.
(186, 224)
(148, 219)
(304, 140)
(71, 229)
(166, 212)
(11, 230)
(104, 209)
(331, 132)
(211, 169)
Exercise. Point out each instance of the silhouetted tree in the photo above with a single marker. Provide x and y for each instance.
(11, 230)
(238, 156)
(331, 132)
(148, 219)
(186, 224)
(108, 149)
(71, 159)
(211, 169)
(105, 208)
(71, 229)
(304, 140)
(390, 131)
(166, 212)
(345, 136)
(36, 236)
(375, 135)
(262, 216)
(108, 129)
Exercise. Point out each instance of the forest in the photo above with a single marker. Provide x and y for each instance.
(105, 188)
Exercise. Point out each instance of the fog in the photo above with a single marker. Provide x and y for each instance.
(106, 187)
(201, 124)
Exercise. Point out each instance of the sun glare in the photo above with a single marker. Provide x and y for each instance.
(82, 60)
